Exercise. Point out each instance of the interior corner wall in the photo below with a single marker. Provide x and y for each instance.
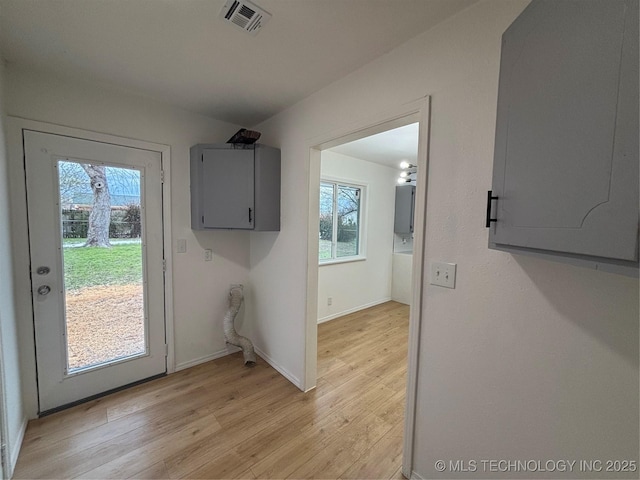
(200, 289)
(14, 414)
(525, 358)
(353, 286)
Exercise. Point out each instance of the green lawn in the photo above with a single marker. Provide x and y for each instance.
(325, 249)
(88, 266)
(345, 249)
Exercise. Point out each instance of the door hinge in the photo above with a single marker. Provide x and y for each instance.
(166, 350)
(3, 456)
(162, 176)
(164, 265)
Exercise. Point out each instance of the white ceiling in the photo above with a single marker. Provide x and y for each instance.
(387, 148)
(180, 52)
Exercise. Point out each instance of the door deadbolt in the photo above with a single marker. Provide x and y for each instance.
(43, 270)
(44, 290)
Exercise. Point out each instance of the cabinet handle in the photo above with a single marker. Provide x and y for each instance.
(413, 203)
(490, 197)
(249, 215)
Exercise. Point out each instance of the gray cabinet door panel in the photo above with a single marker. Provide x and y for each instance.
(405, 205)
(566, 153)
(228, 193)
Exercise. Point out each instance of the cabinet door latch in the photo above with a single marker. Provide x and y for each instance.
(490, 197)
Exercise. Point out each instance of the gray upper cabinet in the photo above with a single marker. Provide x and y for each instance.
(235, 187)
(405, 205)
(566, 151)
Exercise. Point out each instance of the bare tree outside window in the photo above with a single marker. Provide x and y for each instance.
(100, 216)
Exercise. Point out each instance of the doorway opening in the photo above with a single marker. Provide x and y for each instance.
(364, 286)
(351, 265)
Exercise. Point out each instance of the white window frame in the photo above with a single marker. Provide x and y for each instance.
(337, 182)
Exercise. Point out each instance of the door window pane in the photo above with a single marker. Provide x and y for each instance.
(102, 257)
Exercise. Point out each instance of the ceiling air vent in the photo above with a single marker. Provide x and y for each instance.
(245, 15)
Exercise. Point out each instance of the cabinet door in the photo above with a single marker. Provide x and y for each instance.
(405, 204)
(227, 188)
(566, 153)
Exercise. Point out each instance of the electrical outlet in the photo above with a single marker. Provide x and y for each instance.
(329, 301)
(208, 255)
(443, 274)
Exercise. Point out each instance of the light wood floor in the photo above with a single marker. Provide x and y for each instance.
(223, 420)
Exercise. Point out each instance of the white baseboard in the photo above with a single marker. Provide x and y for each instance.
(16, 447)
(207, 358)
(283, 371)
(231, 349)
(354, 309)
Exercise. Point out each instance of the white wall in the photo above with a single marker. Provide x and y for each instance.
(14, 414)
(525, 358)
(357, 285)
(200, 289)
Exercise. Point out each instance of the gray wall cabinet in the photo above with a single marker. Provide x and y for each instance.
(566, 150)
(405, 205)
(235, 187)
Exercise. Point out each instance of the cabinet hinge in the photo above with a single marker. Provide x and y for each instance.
(164, 265)
(162, 176)
(166, 350)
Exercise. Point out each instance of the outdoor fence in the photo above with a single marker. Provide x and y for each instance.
(75, 224)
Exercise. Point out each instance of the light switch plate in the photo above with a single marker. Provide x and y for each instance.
(443, 274)
(182, 245)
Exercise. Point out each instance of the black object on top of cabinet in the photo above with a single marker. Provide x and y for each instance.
(405, 205)
(235, 186)
(245, 136)
(566, 151)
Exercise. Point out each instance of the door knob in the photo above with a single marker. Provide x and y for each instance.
(44, 290)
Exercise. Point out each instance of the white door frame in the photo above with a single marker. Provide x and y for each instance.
(15, 126)
(5, 469)
(417, 111)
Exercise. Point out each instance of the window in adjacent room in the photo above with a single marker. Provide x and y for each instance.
(340, 221)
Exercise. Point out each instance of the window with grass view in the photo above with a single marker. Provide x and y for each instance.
(340, 207)
(100, 209)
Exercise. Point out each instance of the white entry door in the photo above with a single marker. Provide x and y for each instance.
(95, 235)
